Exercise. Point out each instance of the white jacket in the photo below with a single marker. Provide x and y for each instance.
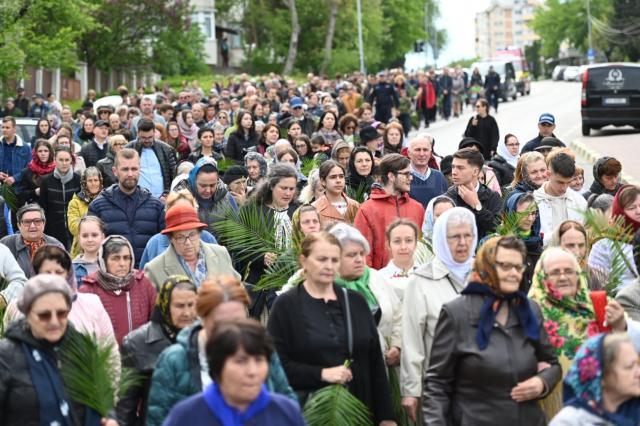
(390, 325)
(430, 287)
(11, 272)
(576, 205)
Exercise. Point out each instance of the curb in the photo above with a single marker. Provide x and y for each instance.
(591, 156)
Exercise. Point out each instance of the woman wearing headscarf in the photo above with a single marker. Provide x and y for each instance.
(626, 205)
(31, 387)
(188, 129)
(505, 160)
(523, 204)
(570, 315)
(91, 184)
(435, 208)
(182, 369)
(487, 348)
(431, 285)
(175, 309)
(602, 386)
(127, 295)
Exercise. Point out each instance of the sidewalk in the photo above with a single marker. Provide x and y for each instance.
(621, 145)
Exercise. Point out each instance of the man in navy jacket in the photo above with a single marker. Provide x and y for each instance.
(125, 208)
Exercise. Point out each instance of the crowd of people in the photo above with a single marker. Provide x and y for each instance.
(492, 284)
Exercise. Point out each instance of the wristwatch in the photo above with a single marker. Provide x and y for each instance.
(478, 207)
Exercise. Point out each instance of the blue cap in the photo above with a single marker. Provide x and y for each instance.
(296, 102)
(547, 118)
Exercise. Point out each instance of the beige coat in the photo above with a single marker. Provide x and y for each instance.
(430, 287)
(216, 257)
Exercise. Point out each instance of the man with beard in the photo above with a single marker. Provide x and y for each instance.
(127, 209)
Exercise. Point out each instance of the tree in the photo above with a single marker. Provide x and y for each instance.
(135, 32)
(334, 5)
(624, 31)
(40, 34)
(566, 20)
(403, 24)
(293, 41)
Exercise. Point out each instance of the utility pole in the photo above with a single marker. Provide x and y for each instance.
(590, 54)
(360, 44)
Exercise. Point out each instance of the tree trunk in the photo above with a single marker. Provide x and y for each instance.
(293, 41)
(328, 41)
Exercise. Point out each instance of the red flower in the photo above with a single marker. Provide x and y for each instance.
(551, 327)
(556, 341)
(552, 290)
(588, 367)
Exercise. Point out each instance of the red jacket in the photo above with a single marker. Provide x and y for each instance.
(377, 213)
(128, 310)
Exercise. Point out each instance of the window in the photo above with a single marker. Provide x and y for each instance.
(207, 22)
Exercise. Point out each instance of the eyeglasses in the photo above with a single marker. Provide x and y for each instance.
(507, 266)
(182, 239)
(46, 316)
(557, 273)
(36, 222)
(222, 117)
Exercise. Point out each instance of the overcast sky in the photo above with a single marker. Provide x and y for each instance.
(457, 16)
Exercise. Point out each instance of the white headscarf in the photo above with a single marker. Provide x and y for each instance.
(427, 224)
(504, 153)
(454, 216)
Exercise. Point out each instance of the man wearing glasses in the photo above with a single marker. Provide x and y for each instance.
(30, 237)
(387, 202)
(157, 160)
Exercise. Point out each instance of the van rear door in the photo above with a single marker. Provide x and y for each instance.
(613, 86)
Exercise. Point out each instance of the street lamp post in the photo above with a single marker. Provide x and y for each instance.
(590, 53)
(360, 44)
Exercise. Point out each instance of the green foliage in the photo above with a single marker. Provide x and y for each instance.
(618, 233)
(511, 221)
(424, 251)
(178, 54)
(8, 192)
(464, 63)
(401, 416)
(277, 275)
(41, 33)
(566, 20)
(90, 373)
(335, 405)
(358, 193)
(225, 163)
(309, 165)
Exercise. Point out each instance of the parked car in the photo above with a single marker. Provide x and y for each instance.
(572, 73)
(26, 128)
(558, 73)
(610, 96)
(506, 70)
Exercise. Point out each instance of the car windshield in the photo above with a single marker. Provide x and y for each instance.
(615, 78)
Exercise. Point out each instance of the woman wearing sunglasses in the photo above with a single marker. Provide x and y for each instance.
(31, 387)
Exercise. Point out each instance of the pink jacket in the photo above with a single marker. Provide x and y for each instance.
(128, 310)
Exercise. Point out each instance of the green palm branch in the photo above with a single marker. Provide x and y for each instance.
(308, 165)
(424, 252)
(90, 373)
(224, 163)
(510, 221)
(619, 233)
(8, 192)
(335, 405)
(246, 233)
(401, 416)
(277, 275)
(358, 193)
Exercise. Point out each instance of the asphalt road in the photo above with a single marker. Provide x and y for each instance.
(562, 99)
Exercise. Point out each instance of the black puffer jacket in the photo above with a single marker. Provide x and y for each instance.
(166, 157)
(18, 398)
(54, 199)
(140, 351)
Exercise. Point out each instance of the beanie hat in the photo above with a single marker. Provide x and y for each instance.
(40, 285)
(234, 173)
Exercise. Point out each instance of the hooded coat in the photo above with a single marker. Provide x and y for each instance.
(596, 187)
(211, 210)
(377, 213)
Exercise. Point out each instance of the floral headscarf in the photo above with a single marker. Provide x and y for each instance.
(568, 321)
(85, 193)
(583, 385)
(162, 310)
